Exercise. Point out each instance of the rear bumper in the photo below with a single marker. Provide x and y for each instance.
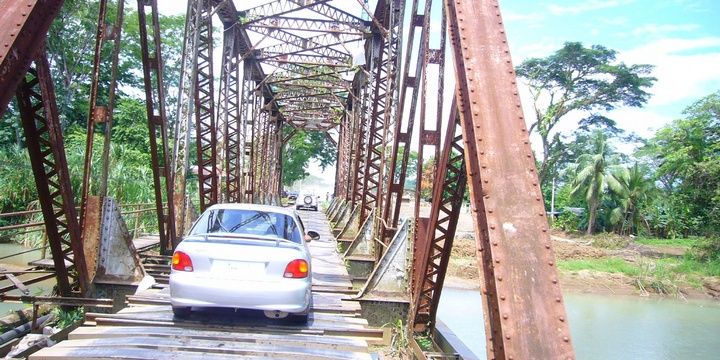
(306, 207)
(288, 295)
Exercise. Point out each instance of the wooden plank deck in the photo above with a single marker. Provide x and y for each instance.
(147, 329)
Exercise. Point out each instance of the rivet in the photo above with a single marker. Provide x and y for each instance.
(551, 263)
(507, 337)
(502, 298)
(566, 339)
(505, 316)
(561, 319)
(554, 281)
(495, 243)
(497, 261)
(499, 278)
(547, 246)
(557, 299)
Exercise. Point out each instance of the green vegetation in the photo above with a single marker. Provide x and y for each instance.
(68, 317)
(576, 79)
(300, 149)
(685, 242)
(71, 61)
(668, 188)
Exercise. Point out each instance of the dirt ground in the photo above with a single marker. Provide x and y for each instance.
(463, 271)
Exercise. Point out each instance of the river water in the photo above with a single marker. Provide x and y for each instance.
(42, 288)
(605, 327)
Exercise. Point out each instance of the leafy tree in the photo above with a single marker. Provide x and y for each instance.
(593, 177)
(581, 80)
(300, 149)
(686, 154)
(70, 48)
(636, 189)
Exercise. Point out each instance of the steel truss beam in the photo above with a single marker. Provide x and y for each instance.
(281, 7)
(99, 114)
(205, 126)
(41, 121)
(248, 110)
(290, 42)
(26, 28)
(525, 315)
(432, 249)
(384, 66)
(311, 25)
(231, 121)
(157, 124)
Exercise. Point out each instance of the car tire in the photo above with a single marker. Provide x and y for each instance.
(181, 311)
(300, 319)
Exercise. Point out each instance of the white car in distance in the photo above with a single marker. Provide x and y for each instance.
(307, 201)
(244, 256)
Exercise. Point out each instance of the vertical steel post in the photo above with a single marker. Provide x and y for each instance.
(157, 122)
(522, 299)
(230, 116)
(205, 127)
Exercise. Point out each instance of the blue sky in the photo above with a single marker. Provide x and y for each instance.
(680, 37)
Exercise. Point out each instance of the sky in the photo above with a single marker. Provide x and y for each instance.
(681, 38)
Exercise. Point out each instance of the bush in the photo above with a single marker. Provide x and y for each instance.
(707, 250)
(567, 221)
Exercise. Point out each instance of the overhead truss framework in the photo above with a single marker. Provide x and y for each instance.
(302, 65)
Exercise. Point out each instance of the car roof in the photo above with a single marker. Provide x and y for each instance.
(253, 207)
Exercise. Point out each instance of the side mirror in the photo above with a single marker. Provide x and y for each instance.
(312, 235)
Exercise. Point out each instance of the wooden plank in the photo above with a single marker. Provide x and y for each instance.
(69, 353)
(214, 347)
(320, 342)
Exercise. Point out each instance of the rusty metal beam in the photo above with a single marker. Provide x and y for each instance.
(157, 123)
(436, 244)
(205, 125)
(26, 23)
(101, 114)
(229, 115)
(523, 303)
(41, 121)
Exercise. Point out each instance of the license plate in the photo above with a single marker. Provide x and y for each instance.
(241, 269)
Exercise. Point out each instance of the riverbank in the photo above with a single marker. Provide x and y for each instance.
(606, 265)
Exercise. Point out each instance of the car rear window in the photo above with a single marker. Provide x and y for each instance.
(248, 222)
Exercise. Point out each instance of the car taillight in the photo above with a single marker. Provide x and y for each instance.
(181, 261)
(297, 269)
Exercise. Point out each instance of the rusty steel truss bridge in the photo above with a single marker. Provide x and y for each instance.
(433, 76)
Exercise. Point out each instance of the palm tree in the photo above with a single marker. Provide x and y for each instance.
(634, 190)
(593, 176)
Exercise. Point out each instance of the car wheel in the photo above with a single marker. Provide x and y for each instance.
(181, 311)
(301, 319)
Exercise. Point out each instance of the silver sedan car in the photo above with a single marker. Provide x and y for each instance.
(244, 256)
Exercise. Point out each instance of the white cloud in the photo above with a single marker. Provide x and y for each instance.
(683, 68)
(586, 6)
(524, 17)
(659, 29)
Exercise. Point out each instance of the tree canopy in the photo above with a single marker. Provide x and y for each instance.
(578, 79)
(300, 149)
